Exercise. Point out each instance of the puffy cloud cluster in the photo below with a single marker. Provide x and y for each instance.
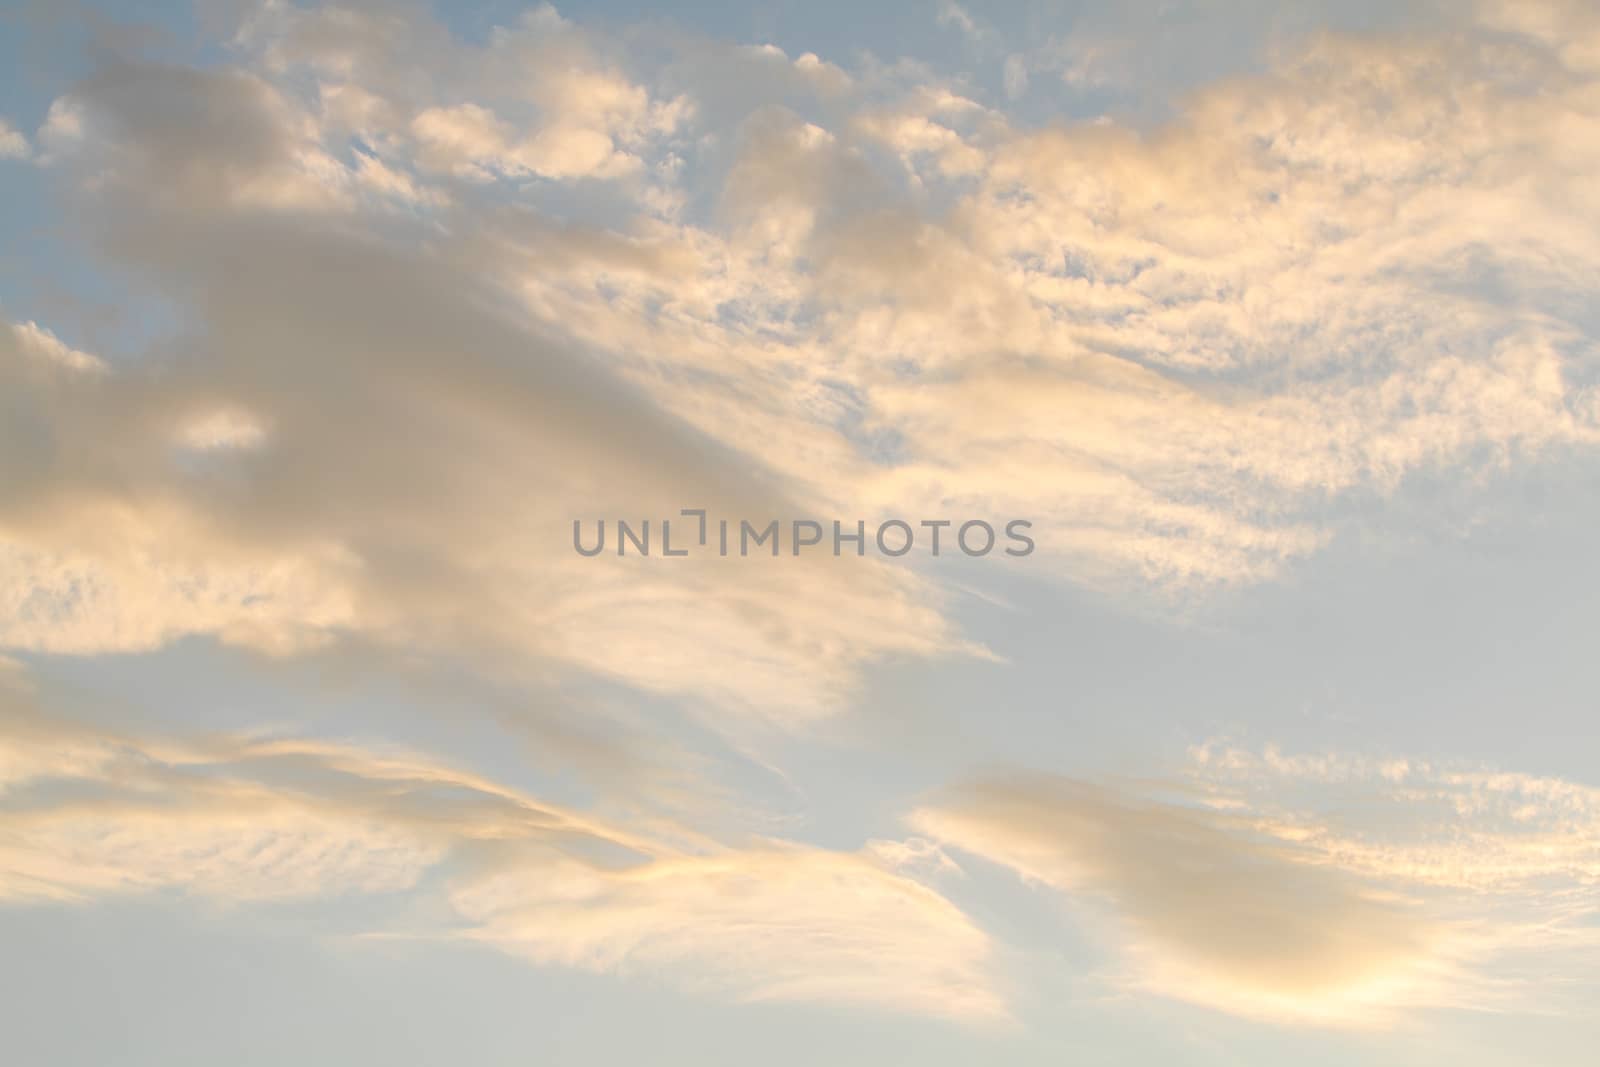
(539, 99)
(358, 434)
(394, 386)
(1173, 349)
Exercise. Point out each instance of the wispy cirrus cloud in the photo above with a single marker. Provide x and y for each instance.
(241, 820)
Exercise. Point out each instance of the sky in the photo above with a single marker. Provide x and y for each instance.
(324, 327)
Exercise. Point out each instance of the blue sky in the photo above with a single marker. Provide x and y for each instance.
(321, 325)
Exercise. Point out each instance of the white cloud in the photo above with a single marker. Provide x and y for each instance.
(13, 145)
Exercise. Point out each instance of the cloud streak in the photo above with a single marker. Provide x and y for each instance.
(242, 820)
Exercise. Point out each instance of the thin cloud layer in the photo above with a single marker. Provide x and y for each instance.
(762, 925)
(1451, 826)
(241, 820)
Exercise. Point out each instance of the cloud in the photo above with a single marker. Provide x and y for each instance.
(1518, 838)
(921, 128)
(1399, 888)
(1209, 913)
(419, 446)
(13, 145)
(239, 820)
(1184, 352)
(541, 97)
(37, 349)
(972, 28)
(438, 297)
(1016, 76)
(472, 141)
(768, 925)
